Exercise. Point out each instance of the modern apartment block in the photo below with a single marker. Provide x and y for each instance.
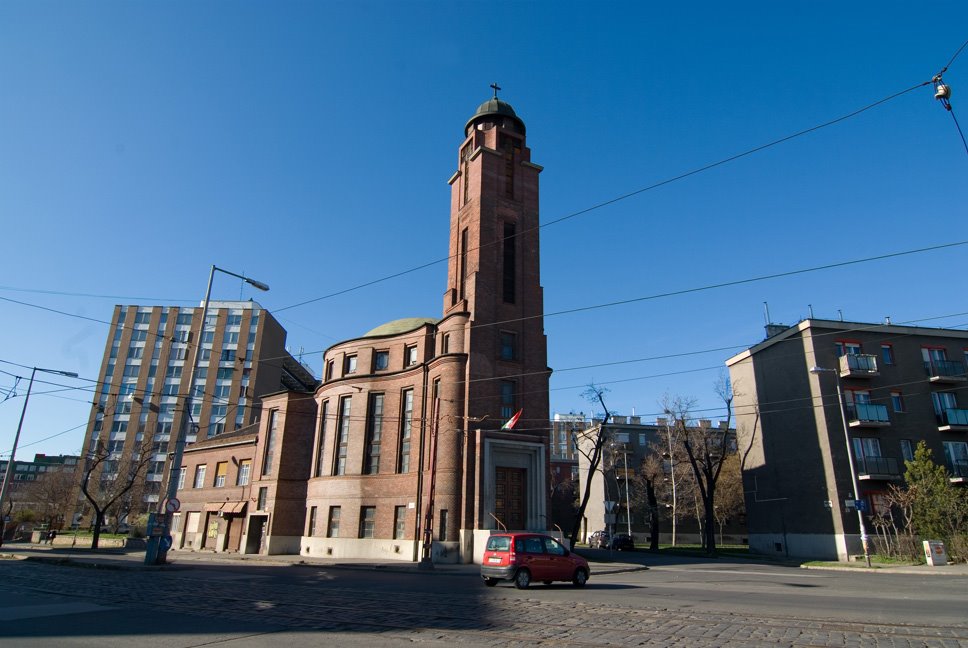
(900, 384)
(145, 372)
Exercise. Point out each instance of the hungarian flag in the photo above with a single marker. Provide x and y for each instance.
(512, 421)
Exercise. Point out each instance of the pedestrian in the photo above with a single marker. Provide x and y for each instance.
(50, 536)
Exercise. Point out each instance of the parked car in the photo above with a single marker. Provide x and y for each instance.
(526, 557)
(622, 542)
(599, 540)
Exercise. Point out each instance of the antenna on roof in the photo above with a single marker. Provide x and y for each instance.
(810, 310)
(766, 313)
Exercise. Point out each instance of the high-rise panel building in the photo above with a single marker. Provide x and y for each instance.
(139, 404)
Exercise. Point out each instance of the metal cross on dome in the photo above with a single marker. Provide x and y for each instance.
(496, 87)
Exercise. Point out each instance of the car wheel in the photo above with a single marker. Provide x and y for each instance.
(581, 577)
(522, 579)
(490, 582)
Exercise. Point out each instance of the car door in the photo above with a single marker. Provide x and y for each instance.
(534, 557)
(558, 565)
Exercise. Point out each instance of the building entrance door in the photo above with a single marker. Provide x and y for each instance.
(255, 538)
(509, 502)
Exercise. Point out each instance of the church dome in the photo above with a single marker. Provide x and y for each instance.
(495, 110)
(400, 326)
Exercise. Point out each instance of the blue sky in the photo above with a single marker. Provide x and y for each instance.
(308, 145)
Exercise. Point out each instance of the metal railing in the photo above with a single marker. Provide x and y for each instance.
(954, 416)
(867, 413)
(858, 363)
(945, 368)
(877, 466)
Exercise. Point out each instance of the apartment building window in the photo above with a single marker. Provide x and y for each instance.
(381, 360)
(866, 448)
(142, 318)
(181, 477)
(907, 450)
(887, 354)
(321, 439)
(399, 522)
(234, 320)
(509, 345)
(897, 401)
(332, 524)
(410, 355)
(263, 497)
(270, 450)
(342, 434)
(228, 355)
(507, 399)
(847, 347)
(956, 456)
(173, 371)
(245, 467)
(374, 432)
(943, 401)
(221, 471)
(367, 521)
(406, 428)
(509, 270)
(184, 319)
(199, 476)
(311, 529)
(139, 335)
(445, 344)
(349, 364)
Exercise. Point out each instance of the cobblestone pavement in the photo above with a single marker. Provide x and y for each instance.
(467, 616)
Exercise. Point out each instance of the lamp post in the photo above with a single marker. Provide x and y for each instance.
(850, 460)
(157, 552)
(16, 440)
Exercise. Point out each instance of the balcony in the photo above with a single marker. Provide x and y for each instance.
(945, 371)
(858, 366)
(866, 415)
(958, 471)
(953, 419)
(877, 469)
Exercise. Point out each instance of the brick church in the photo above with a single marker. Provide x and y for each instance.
(410, 449)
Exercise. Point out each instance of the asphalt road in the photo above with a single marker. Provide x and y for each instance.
(680, 603)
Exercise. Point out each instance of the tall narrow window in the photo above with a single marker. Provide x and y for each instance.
(374, 432)
(507, 399)
(367, 521)
(342, 434)
(221, 472)
(442, 525)
(510, 146)
(907, 450)
(349, 364)
(311, 529)
(399, 522)
(465, 158)
(263, 497)
(509, 262)
(321, 440)
(270, 443)
(245, 467)
(332, 526)
(462, 267)
(406, 426)
(509, 345)
(199, 476)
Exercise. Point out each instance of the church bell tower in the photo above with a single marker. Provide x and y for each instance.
(493, 286)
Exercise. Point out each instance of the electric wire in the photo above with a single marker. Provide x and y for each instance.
(622, 197)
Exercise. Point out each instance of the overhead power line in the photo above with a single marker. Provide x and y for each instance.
(625, 196)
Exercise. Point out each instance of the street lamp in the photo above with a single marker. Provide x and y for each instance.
(16, 440)
(157, 553)
(850, 460)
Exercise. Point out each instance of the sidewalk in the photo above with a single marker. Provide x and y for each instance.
(630, 562)
(134, 560)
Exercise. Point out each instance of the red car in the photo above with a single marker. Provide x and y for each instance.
(526, 557)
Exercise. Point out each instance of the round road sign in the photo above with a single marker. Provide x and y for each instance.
(173, 505)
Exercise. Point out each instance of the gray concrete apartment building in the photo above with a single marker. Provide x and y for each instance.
(901, 385)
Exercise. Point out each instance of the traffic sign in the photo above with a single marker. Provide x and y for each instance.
(172, 505)
(610, 506)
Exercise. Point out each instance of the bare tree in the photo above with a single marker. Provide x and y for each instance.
(675, 480)
(706, 448)
(51, 495)
(729, 493)
(598, 437)
(650, 475)
(109, 476)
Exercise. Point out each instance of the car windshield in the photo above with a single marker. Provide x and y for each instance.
(498, 543)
